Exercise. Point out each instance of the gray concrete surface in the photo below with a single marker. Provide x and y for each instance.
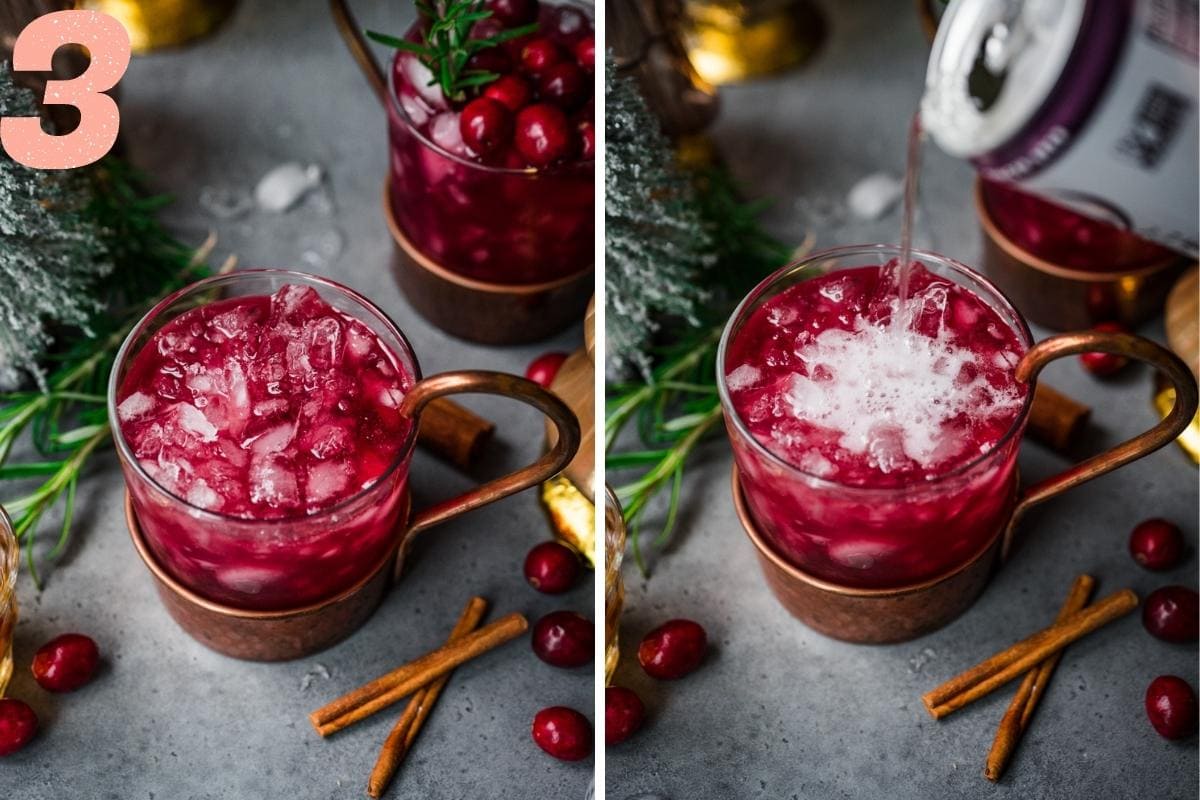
(780, 712)
(171, 720)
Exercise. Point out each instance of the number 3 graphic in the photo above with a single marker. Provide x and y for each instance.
(107, 42)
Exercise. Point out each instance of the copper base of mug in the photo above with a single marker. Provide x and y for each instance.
(487, 313)
(869, 616)
(1062, 298)
(266, 635)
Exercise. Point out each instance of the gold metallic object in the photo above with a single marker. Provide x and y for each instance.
(906, 612)
(10, 554)
(614, 587)
(1182, 321)
(569, 498)
(734, 40)
(155, 24)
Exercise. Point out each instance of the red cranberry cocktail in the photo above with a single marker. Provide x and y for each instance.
(496, 185)
(876, 444)
(257, 416)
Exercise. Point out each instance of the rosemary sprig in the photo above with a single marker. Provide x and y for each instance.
(679, 406)
(446, 45)
(68, 423)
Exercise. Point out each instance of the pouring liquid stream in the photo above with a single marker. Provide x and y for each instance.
(903, 270)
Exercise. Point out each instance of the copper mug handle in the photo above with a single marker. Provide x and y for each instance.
(499, 383)
(1143, 444)
(359, 48)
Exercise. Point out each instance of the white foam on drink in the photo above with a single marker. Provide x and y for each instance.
(892, 396)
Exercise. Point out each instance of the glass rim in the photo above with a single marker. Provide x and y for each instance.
(127, 456)
(394, 104)
(877, 250)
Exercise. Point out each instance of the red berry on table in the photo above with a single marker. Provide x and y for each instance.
(673, 649)
(539, 54)
(1156, 544)
(551, 567)
(1105, 364)
(587, 139)
(563, 733)
(18, 725)
(585, 53)
(485, 125)
(513, 13)
(1171, 707)
(623, 714)
(510, 91)
(543, 368)
(564, 639)
(564, 85)
(543, 134)
(1172, 614)
(66, 662)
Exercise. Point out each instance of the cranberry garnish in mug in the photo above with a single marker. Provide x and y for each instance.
(486, 125)
(673, 649)
(66, 662)
(563, 733)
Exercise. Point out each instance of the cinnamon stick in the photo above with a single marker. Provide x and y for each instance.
(1055, 419)
(1020, 657)
(403, 681)
(398, 742)
(452, 432)
(1020, 710)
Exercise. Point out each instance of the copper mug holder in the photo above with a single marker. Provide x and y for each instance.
(293, 633)
(878, 616)
(478, 311)
(1064, 298)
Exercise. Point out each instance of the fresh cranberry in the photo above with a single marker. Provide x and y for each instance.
(543, 135)
(564, 85)
(65, 663)
(513, 12)
(1105, 364)
(491, 59)
(585, 53)
(539, 55)
(563, 639)
(623, 714)
(551, 567)
(1171, 707)
(486, 125)
(510, 91)
(487, 28)
(543, 368)
(1156, 544)
(673, 649)
(1172, 613)
(567, 22)
(563, 733)
(587, 139)
(18, 725)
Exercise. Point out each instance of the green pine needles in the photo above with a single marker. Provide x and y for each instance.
(82, 258)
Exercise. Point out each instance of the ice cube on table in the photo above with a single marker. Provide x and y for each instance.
(285, 185)
(874, 195)
(134, 406)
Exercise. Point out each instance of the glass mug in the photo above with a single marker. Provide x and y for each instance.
(293, 562)
(614, 587)
(864, 539)
(10, 554)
